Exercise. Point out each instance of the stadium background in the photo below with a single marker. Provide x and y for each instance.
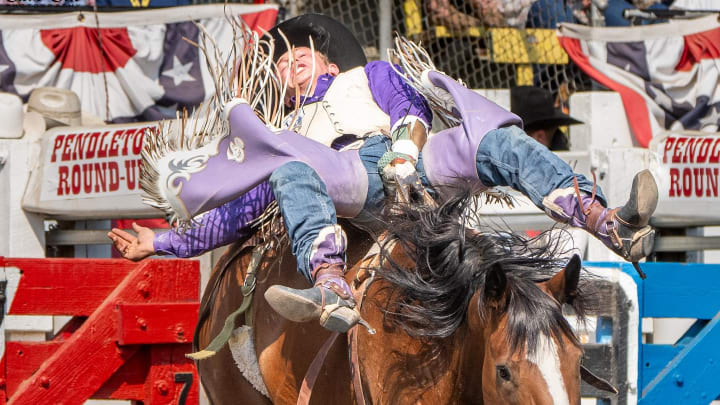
(483, 56)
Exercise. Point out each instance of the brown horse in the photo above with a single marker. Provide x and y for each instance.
(285, 349)
(461, 317)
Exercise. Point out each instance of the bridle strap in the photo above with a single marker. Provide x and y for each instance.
(314, 369)
(360, 285)
(355, 367)
(363, 278)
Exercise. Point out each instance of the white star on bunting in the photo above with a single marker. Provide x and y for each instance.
(179, 72)
(712, 119)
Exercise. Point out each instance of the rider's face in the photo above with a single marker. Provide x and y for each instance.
(296, 69)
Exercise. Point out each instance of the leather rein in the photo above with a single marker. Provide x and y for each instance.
(360, 285)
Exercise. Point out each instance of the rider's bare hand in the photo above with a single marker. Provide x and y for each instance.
(132, 247)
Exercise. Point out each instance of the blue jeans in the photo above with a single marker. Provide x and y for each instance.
(506, 157)
(509, 157)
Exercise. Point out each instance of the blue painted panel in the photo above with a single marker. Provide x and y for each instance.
(692, 376)
(675, 290)
(654, 359)
(672, 375)
(693, 331)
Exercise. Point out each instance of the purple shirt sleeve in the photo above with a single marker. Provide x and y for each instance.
(220, 226)
(395, 97)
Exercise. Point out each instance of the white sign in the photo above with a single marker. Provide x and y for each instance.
(84, 162)
(691, 165)
(90, 172)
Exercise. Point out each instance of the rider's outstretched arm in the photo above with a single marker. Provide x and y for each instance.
(217, 227)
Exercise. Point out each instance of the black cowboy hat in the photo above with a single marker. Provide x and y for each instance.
(536, 107)
(329, 36)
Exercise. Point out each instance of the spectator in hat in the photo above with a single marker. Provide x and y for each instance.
(542, 120)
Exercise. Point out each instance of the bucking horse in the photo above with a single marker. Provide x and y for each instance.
(456, 312)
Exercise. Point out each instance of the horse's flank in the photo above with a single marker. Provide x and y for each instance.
(284, 349)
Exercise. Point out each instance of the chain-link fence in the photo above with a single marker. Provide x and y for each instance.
(492, 44)
(486, 43)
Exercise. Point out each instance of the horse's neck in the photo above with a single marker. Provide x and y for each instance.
(399, 369)
(473, 355)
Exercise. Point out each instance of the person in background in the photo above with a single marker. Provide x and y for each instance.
(542, 119)
(550, 13)
(458, 15)
(614, 11)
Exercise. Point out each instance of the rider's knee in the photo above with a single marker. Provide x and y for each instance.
(511, 134)
(503, 140)
(289, 172)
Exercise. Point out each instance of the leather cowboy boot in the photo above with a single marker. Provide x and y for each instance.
(624, 230)
(330, 300)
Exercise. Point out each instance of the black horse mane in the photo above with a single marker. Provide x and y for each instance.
(431, 300)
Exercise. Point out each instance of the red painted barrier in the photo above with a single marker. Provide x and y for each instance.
(132, 325)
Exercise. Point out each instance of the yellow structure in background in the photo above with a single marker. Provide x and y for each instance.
(521, 47)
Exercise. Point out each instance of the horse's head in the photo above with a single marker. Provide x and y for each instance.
(531, 354)
(496, 297)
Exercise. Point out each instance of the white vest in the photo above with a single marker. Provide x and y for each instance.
(347, 108)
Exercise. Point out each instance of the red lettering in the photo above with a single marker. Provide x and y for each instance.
(679, 149)
(56, 147)
(704, 149)
(699, 183)
(75, 137)
(78, 151)
(716, 152)
(114, 176)
(100, 176)
(691, 149)
(76, 180)
(130, 173)
(114, 145)
(668, 145)
(128, 134)
(687, 182)
(102, 151)
(674, 186)
(63, 187)
(137, 142)
(92, 145)
(67, 148)
(87, 177)
(712, 176)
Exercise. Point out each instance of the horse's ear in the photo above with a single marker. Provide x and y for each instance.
(595, 381)
(495, 285)
(563, 285)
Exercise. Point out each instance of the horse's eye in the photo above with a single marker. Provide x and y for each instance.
(503, 372)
